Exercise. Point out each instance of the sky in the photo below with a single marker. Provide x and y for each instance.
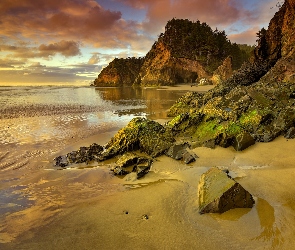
(70, 41)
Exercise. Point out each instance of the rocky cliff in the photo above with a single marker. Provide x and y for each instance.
(120, 72)
(257, 103)
(161, 68)
(186, 52)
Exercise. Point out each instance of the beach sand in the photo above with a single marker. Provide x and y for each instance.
(86, 207)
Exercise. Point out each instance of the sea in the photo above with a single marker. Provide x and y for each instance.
(45, 117)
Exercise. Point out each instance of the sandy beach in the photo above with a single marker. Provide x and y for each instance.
(87, 207)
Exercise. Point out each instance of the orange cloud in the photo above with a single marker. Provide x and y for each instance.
(246, 37)
(66, 48)
(213, 12)
(68, 19)
(94, 59)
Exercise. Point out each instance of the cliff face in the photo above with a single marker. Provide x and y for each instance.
(257, 103)
(223, 72)
(277, 45)
(185, 53)
(120, 72)
(161, 68)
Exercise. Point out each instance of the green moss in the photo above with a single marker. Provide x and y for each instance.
(251, 118)
(174, 121)
(211, 129)
(178, 108)
(208, 130)
(233, 129)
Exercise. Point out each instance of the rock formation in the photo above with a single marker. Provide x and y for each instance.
(120, 72)
(258, 100)
(219, 193)
(182, 54)
(223, 72)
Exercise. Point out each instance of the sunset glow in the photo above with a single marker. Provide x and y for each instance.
(45, 42)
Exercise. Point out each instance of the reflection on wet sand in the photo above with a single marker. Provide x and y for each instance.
(45, 195)
(270, 230)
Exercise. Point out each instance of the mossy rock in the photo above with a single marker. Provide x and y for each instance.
(140, 133)
(219, 193)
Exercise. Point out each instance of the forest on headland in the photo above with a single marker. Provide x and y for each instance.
(186, 52)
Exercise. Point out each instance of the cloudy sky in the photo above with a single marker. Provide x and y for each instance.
(69, 41)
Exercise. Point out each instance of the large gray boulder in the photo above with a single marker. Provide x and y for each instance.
(219, 193)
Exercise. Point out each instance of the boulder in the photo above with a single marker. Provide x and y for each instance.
(219, 193)
(131, 163)
(243, 141)
(146, 135)
(181, 152)
(176, 151)
(84, 154)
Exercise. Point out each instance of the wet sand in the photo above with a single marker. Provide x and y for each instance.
(86, 207)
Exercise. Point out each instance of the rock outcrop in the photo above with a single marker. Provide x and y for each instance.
(185, 53)
(219, 193)
(161, 68)
(120, 72)
(257, 100)
(223, 72)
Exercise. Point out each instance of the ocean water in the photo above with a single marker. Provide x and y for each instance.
(48, 115)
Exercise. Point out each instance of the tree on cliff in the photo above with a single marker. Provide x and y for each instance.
(197, 41)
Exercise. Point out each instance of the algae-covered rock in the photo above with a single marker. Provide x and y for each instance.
(141, 134)
(219, 193)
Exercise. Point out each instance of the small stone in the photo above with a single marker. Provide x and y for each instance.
(176, 151)
(145, 217)
(61, 161)
(243, 141)
(119, 171)
(142, 171)
(290, 133)
(188, 158)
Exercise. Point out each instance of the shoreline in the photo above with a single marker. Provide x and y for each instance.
(90, 200)
(87, 207)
